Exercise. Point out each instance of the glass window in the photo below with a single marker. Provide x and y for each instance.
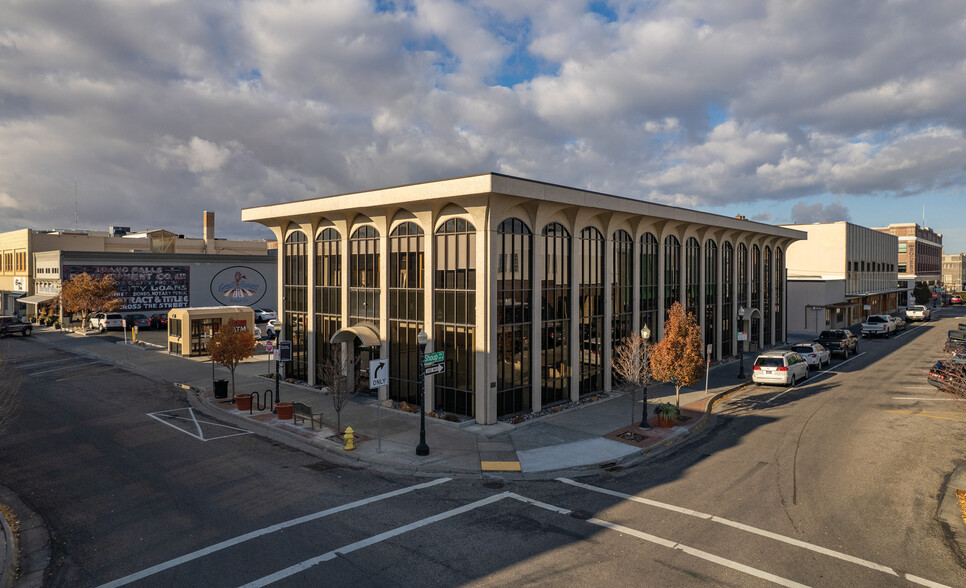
(555, 314)
(406, 303)
(767, 299)
(328, 292)
(779, 294)
(622, 293)
(364, 289)
(692, 276)
(710, 291)
(514, 248)
(591, 311)
(756, 295)
(649, 284)
(295, 286)
(672, 272)
(455, 308)
(728, 310)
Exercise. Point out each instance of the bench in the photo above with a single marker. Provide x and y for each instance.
(304, 411)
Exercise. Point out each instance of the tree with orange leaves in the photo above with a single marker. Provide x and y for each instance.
(677, 358)
(86, 295)
(231, 345)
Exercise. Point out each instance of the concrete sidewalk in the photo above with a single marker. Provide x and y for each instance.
(585, 436)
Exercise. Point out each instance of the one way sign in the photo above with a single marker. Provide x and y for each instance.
(378, 373)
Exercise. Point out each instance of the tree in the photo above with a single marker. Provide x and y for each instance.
(86, 295)
(630, 365)
(9, 388)
(230, 346)
(678, 358)
(342, 377)
(922, 293)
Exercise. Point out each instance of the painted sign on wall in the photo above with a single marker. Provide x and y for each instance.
(142, 287)
(238, 286)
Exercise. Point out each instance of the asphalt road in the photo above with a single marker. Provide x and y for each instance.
(831, 483)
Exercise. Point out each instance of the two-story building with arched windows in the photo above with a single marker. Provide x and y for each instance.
(525, 286)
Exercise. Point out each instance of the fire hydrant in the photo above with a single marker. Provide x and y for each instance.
(349, 436)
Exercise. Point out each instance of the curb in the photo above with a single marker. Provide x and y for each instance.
(28, 550)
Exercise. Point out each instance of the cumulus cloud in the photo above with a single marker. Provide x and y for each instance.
(818, 213)
(162, 108)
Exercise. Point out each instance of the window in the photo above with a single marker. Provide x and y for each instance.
(649, 284)
(591, 311)
(756, 295)
(903, 248)
(672, 272)
(455, 307)
(692, 276)
(767, 300)
(710, 291)
(514, 317)
(728, 310)
(328, 292)
(779, 294)
(406, 309)
(295, 304)
(555, 314)
(622, 277)
(364, 287)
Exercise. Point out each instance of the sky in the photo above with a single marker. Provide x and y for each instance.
(146, 113)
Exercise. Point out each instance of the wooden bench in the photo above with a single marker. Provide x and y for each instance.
(304, 411)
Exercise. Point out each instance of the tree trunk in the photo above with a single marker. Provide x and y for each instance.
(677, 395)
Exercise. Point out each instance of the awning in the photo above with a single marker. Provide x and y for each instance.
(366, 333)
(36, 298)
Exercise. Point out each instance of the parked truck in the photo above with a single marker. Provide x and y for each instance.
(878, 325)
(839, 341)
(918, 313)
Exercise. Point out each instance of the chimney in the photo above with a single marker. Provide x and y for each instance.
(209, 220)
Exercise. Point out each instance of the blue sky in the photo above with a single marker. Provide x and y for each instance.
(783, 112)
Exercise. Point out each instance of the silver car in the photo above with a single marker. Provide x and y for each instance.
(785, 368)
(815, 355)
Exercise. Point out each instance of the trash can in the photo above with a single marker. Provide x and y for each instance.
(221, 388)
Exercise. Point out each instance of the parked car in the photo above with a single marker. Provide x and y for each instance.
(159, 320)
(878, 324)
(10, 325)
(815, 354)
(955, 299)
(264, 314)
(839, 341)
(271, 328)
(101, 321)
(138, 320)
(955, 341)
(918, 313)
(786, 368)
(948, 374)
(900, 322)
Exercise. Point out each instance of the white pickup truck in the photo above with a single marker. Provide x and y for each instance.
(878, 324)
(918, 313)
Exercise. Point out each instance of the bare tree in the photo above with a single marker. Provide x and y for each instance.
(9, 389)
(631, 366)
(340, 374)
(678, 359)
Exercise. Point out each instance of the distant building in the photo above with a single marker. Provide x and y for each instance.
(523, 287)
(24, 285)
(954, 271)
(920, 257)
(841, 274)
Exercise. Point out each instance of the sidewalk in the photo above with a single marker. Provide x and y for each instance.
(585, 437)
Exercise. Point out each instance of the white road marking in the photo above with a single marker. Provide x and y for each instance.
(924, 398)
(754, 530)
(27, 365)
(255, 534)
(304, 565)
(66, 368)
(812, 378)
(200, 436)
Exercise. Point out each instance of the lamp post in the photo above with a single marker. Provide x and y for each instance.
(741, 346)
(645, 335)
(421, 339)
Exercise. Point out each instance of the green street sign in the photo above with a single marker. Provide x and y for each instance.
(431, 358)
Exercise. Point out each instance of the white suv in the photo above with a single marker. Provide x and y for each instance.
(785, 368)
(101, 321)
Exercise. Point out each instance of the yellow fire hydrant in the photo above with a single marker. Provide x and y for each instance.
(349, 436)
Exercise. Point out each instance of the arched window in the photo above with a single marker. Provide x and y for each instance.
(672, 272)
(514, 289)
(728, 310)
(591, 311)
(742, 277)
(328, 292)
(710, 291)
(295, 284)
(407, 247)
(756, 295)
(555, 314)
(767, 299)
(364, 287)
(649, 284)
(622, 293)
(692, 276)
(454, 293)
(779, 294)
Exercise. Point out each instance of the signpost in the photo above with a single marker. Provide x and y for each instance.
(269, 345)
(283, 353)
(378, 373)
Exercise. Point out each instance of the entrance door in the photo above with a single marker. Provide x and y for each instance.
(362, 355)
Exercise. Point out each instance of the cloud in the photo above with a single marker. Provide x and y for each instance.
(7, 201)
(818, 213)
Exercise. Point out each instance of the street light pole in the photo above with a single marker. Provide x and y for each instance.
(741, 346)
(421, 339)
(645, 335)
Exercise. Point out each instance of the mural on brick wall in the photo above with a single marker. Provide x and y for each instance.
(142, 287)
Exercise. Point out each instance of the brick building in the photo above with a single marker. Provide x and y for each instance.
(920, 255)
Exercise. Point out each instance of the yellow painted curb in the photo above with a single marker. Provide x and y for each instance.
(500, 466)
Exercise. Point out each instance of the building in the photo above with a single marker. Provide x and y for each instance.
(19, 275)
(920, 252)
(524, 286)
(841, 274)
(954, 272)
(190, 328)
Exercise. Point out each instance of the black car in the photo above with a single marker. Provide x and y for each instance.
(839, 341)
(11, 324)
(159, 320)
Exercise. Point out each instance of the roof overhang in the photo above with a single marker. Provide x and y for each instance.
(36, 298)
(366, 333)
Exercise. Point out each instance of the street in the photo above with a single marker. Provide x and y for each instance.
(833, 482)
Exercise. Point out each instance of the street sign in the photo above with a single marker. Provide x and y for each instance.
(431, 358)
(276, 355)
(743, 336)
(435, 368)
(269, 345)
(285, 350)
(378, 373)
